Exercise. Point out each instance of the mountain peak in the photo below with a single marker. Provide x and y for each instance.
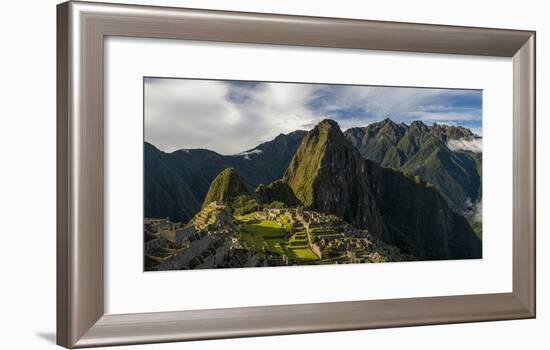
(325, 132)
(230, 171)
(419, 124)
(226, 185)
(328, 174)
(381, 124)
(447, 132)
(328, 130)
(422, 150)
(327, 124)
(312, 155)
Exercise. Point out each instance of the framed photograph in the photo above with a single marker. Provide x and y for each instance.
(225, 174)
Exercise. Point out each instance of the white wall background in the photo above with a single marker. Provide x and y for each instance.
(27, 174)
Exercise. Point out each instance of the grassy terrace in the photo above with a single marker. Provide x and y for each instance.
(271, 236)
(284, 220)
(266, 229)
(304, 254)
(319, 231)
(325, 233)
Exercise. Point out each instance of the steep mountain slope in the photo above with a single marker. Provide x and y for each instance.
(422, 150)
(328, 174)
(169, 191)
(278, 191)
(176, 183)
(226, 185)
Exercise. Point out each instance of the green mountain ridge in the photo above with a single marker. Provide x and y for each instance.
(226, 185)
(422, 150)
(176, 183)
(327, 174)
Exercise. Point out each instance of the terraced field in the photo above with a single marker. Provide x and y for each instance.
(268, 235)
(325, 233)
(264, 228)
(304, 254)
(299, 247)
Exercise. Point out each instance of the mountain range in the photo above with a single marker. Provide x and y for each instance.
(430, 152)
(328, 174)
(175, 184)
(405, 183)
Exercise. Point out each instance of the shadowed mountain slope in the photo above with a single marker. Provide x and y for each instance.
(423, 150)
(176, 183)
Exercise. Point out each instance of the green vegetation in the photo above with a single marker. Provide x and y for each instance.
(264, 228)
(300, 235)
(319, 233)
(477, 227)
(303, 254)
(275, 205)
(304, 167)
(284, 221)
(245, 217)
(262, 236)
(176, 183)
(320, 230)
(244, 204)
(298, 240)
(330, 252)
(226, 185)
(329, 174)
(422, 151)
(268, 235)
(475, 223)
(275, 194)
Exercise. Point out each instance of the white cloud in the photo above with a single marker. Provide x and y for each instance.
(400, 103)
(476, 209)
(183, 113)
(477, 131)
(473, 145)
(229, 117)
(442, 117)
(478, 212)
(246, 155)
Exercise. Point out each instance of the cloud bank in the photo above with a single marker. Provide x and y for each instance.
(233, 116)
(474, 145)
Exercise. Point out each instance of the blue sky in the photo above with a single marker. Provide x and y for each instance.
(232, 116)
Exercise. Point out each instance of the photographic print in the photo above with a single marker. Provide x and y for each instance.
(257, 174)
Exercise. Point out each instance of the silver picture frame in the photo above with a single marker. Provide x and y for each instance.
(81, 30)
